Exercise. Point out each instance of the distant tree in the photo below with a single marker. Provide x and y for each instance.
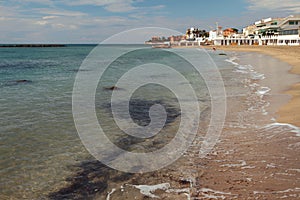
(188, 33)
(235, 30)
(202, 33)
(196, 32)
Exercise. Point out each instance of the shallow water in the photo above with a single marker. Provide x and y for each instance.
(36, 125)
(40, 146)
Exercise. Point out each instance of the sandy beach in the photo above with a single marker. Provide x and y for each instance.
(289, 113)
(259, 162)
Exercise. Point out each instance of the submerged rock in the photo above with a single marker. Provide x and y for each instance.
(112, 88)
(15, 82)
(23, 81)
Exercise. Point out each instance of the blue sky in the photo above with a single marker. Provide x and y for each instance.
(91, 21)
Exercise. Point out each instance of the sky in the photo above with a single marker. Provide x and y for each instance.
(92, 21)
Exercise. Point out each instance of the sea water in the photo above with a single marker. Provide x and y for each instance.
(40, 147)
(36, 126)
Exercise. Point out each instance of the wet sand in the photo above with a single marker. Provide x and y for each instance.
(289, 113)
(252, 160)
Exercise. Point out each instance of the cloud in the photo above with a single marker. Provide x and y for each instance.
(41, 22)
(49, 17)
(38, 1)
(68, 21)
(276, 5)
(42, 2)
(110, 20)
(52, 24)
(7, 12)
(64, 26)
(49, 11)
(119, 7)
(139, 35)
(24, 25)
(109, 5)
(158, 7)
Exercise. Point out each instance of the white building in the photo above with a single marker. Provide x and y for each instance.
(212, 35)
(277, 31)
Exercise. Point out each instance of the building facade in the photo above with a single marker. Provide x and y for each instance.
(269, 31)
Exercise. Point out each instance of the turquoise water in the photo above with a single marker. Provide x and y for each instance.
(36, 123)
(40, 147)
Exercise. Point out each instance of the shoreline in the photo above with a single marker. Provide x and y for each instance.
(249, 160)
(289, 112)
(256, 157)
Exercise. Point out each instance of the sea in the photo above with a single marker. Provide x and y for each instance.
(43, 154)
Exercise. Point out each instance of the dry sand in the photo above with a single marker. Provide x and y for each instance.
(289, 113)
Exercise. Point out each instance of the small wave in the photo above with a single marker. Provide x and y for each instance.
(231, 60)
(110, 193)
(207, 193)
(257, 76)
(279, 127)
(263, 90)
(254, 85)
(244, 69)
(148, 190)
(241, 71)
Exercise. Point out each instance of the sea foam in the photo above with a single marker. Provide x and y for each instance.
(279, 127)
(231, 60)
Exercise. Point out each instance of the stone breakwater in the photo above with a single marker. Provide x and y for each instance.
(32, 45)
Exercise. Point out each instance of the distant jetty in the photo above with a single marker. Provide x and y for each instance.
(31, 45)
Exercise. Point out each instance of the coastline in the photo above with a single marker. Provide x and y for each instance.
(253, 159)
(257, 155)
(288, 113)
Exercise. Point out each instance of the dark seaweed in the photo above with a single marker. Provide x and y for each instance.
(91, 179)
